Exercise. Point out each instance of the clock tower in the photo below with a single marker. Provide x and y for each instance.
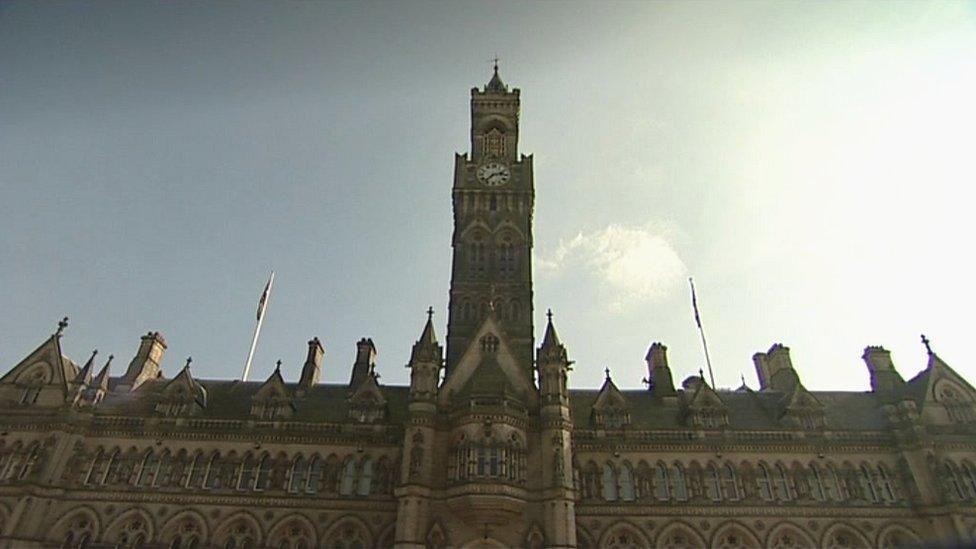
(493, 200)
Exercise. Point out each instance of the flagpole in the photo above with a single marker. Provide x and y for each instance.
(257, 329)
(701, 331)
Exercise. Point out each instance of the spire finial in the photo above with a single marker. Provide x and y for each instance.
(606, 371)
(495, 62)
(549, 315)
(94, 352)
(927, 343)
(278, 365)
(61, 326)
(189, 359)
(701, 374)
(430, 313)
(743, 378)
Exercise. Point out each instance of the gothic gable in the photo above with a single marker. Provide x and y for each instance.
(488, 358)
(943, 396)
(183, 395)
(367, 403)
(42, 377)
(800, 408)
(703, 406)
(272, 399)
(611, 409)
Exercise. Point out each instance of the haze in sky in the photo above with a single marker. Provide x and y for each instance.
(810, 164)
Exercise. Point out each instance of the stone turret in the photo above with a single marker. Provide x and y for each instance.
(775, 369)
(365, 361)
(425, 363)
(146, 364)
(885, 380)
(312, 370)
(659, 379)
(553, 364)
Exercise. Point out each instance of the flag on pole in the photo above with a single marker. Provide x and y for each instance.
(263, 303)
(694, 303)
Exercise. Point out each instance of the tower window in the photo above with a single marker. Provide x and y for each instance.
(494, 143)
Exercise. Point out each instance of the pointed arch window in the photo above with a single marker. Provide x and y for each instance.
(96, 473)
(868, 487)
(198, 471)
(147, 473)
(315, 469)
(832, 486)
(212, 480)
(263, 481)
(969, 476)
(626, 483)
(609, 483)
(494, 141)
(680, 484)
(365, 477)
(782, 483)
(661, 489)
(713, 486)
(112, 471)
(299, 472)
(730, 487)
(954, 487)
(764, 483)
(348, 482)
(816, 482)
(246, 480)
(885, 485)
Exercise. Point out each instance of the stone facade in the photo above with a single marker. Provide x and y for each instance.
(487, 446)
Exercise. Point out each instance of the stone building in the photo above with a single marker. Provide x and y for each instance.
(487, 446)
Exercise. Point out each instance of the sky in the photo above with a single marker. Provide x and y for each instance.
(810, 164)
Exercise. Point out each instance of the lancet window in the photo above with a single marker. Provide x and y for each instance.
(488, 459)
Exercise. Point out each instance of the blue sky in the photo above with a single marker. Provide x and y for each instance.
(810, 164)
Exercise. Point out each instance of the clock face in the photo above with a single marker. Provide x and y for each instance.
(494, 174)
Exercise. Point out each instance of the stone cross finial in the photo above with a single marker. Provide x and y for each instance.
(430, 313)
(927, 343)
(549, 315)
(189, 359)
(61, 326)
(278, 365)
(495, 62)
(607, 372)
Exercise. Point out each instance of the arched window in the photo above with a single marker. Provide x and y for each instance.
(816, 482)
(782, 484)
(246, 480)
(680, 485)
(112, 471)
(953, 486)
(164, 472)
(626, 483)
(365, 477)
(147, 473)
(213, 472)
(299, 472)
(713, 487)
(348, 482)
(868, 488)
(661, 489)
(831, 483)
(609, 483)
(198, 471)
(730, 488)
(969, 476)
(96, 473)
(764, 483)
(885, 485)
(264, 473)
(315, 469)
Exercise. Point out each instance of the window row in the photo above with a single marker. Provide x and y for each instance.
(19, 461)
(488, 460)
(484, 258)
(726, 482)
(468, 311)
(250, 472)
(958, 481)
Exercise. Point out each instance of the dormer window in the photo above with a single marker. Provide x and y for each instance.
(957, 407)
(611, 418)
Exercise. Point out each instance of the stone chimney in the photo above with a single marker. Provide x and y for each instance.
(885, 380)
(146, 364)
(659, 377)
(365, 360)
(312, 370)
(775, 369)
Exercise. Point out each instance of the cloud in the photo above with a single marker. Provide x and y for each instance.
(633, 264)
